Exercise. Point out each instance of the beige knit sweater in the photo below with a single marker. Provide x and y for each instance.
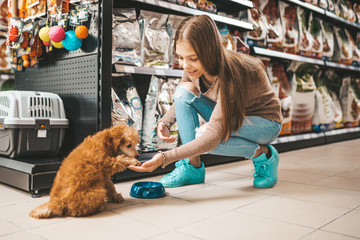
(261, 101)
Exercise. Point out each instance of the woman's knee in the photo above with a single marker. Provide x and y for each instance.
(190, 87)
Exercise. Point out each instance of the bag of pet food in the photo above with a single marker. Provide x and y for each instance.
(281, 86)
(338, 121)
(331, 5)
(323, 4)
(356, 50)
(227, 40)
(240, 43)
(356, 8)
(303, 95)
(207, 6)
(158, 101)
(126, 42)
(174, 23)
(256, 37)
(290, 27)
(124, 87)
(350, 101)
(345, 53)
(327, 33)
(155, 40)
(305, 37)
(274, 38)
(315, 30)
(324, 113)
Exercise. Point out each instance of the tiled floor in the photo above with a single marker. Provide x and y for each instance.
(317, 197)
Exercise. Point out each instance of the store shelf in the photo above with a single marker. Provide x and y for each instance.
(286, 56)
(342, 20)
(307, 6)
(245, 3)
(147, 71)
(342, 66)
(192, 11)
(342, 134)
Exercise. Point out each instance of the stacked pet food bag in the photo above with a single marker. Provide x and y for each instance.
(37, 27)
(145, 39)
(6, 79)
(312, 99)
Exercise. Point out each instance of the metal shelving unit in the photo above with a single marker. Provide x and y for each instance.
(83, 80)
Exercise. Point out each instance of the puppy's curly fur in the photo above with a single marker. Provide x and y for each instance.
(83, 183)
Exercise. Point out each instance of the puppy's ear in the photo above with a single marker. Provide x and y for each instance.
(109, 146)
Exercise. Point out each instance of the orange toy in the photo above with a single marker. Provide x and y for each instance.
(81, 32)
(25, 59)
(13, 34)
(25, 41)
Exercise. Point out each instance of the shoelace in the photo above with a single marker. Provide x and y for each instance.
(261, 170)
(179, 166)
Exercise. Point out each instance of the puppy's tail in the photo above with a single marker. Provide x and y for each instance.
(47, 210)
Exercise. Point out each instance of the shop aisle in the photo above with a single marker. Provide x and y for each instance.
(317, 197)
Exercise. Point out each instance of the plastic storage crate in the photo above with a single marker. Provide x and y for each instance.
(31, 123)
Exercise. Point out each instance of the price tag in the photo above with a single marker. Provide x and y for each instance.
(41, 133)
(129, 69)
(151, 1)
(160, 72)
(163, 4)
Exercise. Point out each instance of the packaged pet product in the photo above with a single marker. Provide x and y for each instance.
(315, 30)
(290, 27)
(338, 121)
(345, 53)
(350, 101)
(280, 84)
(157, 103)
(5, 60)
(274, 38)
(227, 40)
(3, 14)
(191, 3)
(126, 42)
(240, 43)
(324, 113)
(257, 37)
(305, 37)
(327, 33)
(124, 88)
(356, 8)
(323, 4)
(356, 50)
(155, 40)
(174, 23)
(207, 6)
(303, 94)
(331, 5)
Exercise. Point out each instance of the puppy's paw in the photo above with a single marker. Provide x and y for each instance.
(116, 198)
(128, 160)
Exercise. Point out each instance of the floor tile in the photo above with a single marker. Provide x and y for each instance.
(173, 236)
(236, 225)
(322, 195)
(105, 225)
(22, 236)
(294, 211)
(322, 235)
(7, 227)
(348, 224)
(346, 183)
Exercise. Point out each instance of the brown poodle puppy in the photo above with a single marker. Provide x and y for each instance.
(83, 183)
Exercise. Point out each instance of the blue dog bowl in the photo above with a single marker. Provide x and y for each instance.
(147, 189)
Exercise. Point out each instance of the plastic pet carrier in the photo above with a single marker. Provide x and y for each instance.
(31, 123)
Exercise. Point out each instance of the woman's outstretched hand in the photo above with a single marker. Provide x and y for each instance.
(148, 166)
(164, 133)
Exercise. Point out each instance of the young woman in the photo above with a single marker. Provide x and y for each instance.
(232, 93)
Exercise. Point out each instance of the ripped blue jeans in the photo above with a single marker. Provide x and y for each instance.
(242, 143)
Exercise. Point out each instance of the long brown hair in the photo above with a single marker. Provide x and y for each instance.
(202, 34)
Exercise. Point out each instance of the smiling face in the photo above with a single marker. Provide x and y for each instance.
(189, 60)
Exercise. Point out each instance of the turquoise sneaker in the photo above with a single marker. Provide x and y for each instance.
(184, 174)
(265, 173)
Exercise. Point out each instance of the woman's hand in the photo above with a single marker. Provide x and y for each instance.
(164, 133)
(150, 165)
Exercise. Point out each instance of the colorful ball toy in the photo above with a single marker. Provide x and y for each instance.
(81, 32)
(56, 33)
(57, 44)
(71, 42)
(44, 34)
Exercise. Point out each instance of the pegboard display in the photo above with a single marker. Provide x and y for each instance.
(75, 80)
